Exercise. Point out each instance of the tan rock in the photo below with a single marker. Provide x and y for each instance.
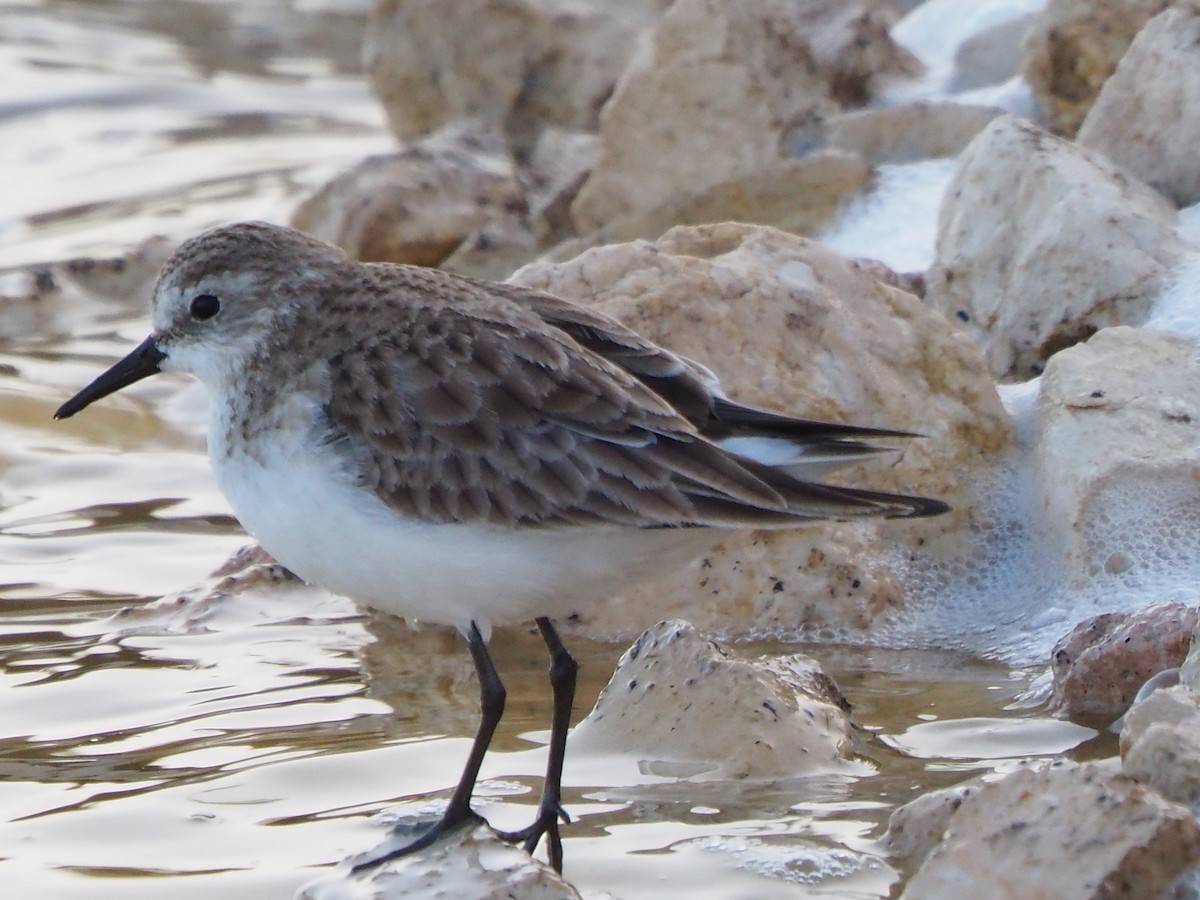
(1160, 744)
(64, 297)
(420, 205)
(560, 163)
(919, 825)
(901, 134)
(493, 251)
(719, 91)
(249, 570)
(1176, 705)
(1073, 46)
(1060, 832)
(791, 325)
(1101, 665)
(1117, 453)
(1166, 758)
(471, 863)
(686, 708)
(851, 44)
(1041, 243)
(1147, 116)
(520, 64)
(797, 195)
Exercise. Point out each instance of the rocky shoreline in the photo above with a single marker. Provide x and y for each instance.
(566, 139)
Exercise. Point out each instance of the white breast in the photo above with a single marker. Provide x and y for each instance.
(292, 495)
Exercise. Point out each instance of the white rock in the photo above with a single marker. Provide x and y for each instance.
(1041, 243)
(719, 91)
(472, 864)
(791, 325)
(1117, 452)
(1147, 116)
(1174, 705)
(919, 825)
(685, 707)
(521, 64)
(990, 57)
(1060, 832)
(1160, 744)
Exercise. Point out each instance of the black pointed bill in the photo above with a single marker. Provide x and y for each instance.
(141, 363)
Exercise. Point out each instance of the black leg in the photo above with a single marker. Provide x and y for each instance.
(491, 703)
(563, 670)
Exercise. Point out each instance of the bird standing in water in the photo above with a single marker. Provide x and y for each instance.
(469, 453)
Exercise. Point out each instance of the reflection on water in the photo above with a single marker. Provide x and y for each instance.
(236, 745)
(126, 118)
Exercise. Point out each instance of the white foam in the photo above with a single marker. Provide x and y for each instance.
(896, 221)
(1177, 308)
(1189, 224)
(1020, 402)
(934, 32)
(1010, 594)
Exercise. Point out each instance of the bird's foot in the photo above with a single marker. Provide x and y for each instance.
(546, 824)
(422, 834)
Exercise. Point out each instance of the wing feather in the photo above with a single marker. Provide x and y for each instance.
(514, 408)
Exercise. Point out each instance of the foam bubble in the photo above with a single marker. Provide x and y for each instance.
(1012, 593)
(907, 193)
(934, 32)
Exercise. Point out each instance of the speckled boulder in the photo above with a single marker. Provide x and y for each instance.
(1060, 832)
(1160, 744)
(1073, 46)
(470, 863)
(423, 204)
(718, 91)
(791, 325)
(1041, 243)
(1147, 117)
(521, 64)
(916, 827)
(686, 708)
(1117, 454)
(1099, 667)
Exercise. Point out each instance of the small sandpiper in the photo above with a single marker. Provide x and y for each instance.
(469, 453)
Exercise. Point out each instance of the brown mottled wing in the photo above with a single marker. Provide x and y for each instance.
(687, 385)
(468, 415)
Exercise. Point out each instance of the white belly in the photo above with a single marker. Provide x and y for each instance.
(335, 535)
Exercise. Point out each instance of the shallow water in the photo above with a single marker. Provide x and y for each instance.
(242, 751)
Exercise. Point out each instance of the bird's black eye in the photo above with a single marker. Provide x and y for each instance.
(204, 306)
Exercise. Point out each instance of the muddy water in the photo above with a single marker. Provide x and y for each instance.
(241, 746)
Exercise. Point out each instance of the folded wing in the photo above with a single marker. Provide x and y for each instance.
(540, 413)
